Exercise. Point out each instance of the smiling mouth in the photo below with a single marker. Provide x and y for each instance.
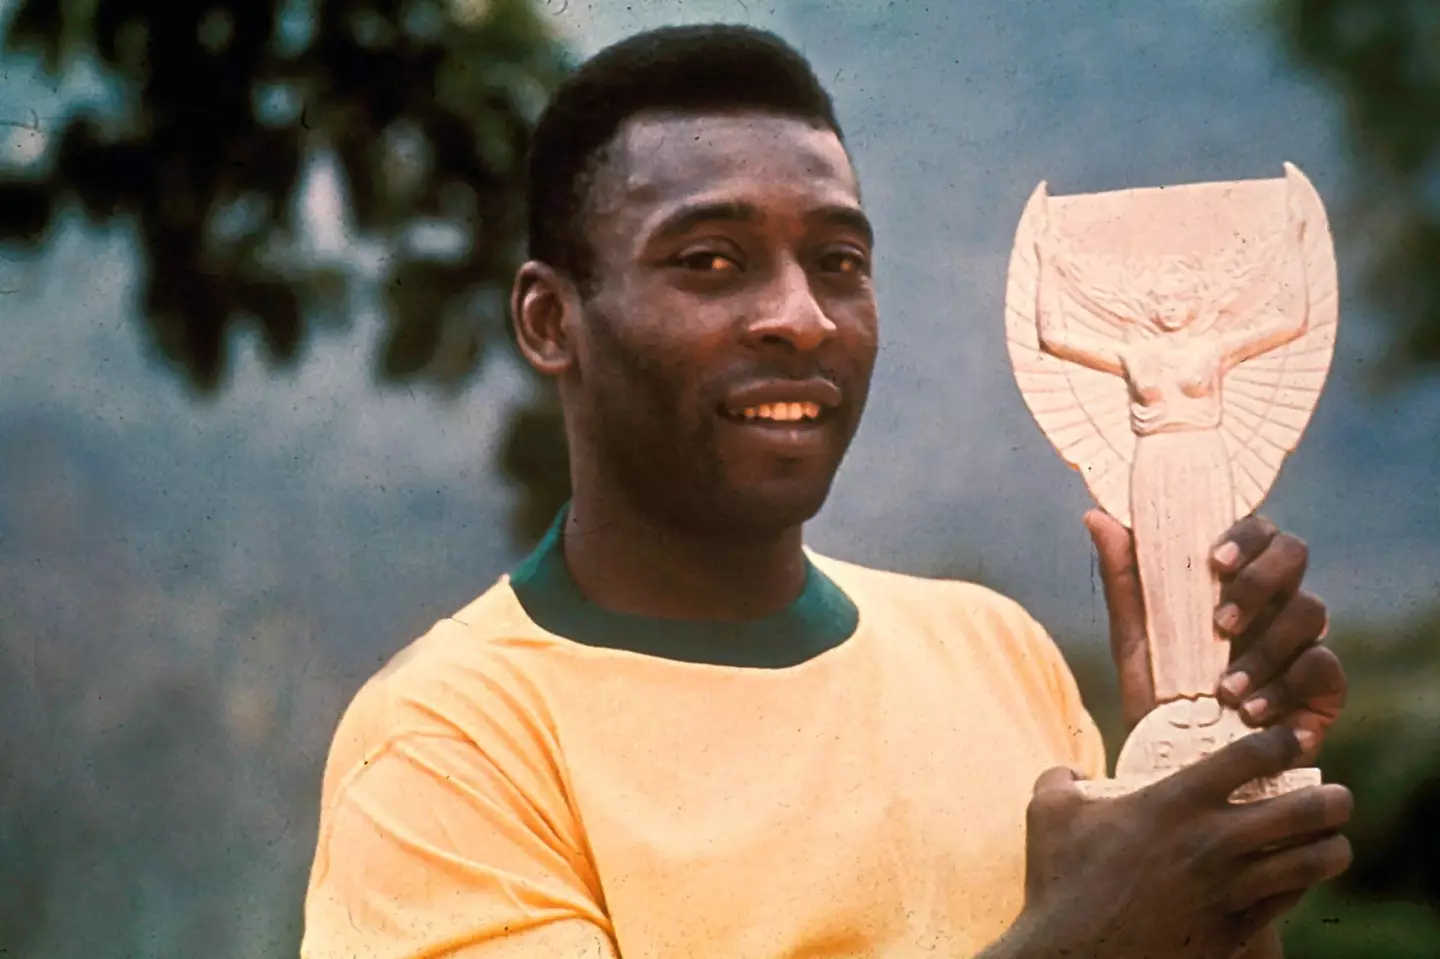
(783, 406)
(783, 414)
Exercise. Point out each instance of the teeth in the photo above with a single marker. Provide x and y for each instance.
(783, 412)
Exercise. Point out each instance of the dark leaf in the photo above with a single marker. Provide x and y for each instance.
(36, 27)
(277, 308)
(418, 295)
(534, 453)
(108, 178)
(25, 211)
(1384, 61)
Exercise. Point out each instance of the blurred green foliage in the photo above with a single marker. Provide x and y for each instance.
(426, 105)
(1383, 58)
(1387, 751)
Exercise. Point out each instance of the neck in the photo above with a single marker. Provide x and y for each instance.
(628, 562)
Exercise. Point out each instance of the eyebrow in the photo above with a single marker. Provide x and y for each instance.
(848, 217)
(689, 217)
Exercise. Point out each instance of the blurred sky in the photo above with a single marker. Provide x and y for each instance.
(372, 512)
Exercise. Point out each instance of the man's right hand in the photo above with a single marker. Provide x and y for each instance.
(1175, 869)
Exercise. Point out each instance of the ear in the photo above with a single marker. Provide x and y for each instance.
(543, 306)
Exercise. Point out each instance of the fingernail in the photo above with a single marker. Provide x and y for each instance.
(1306, 739)
(1227, 554)
(1255, 708)
(1228, 617)
(1236, 684)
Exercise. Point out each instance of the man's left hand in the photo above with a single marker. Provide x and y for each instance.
(1279, 671)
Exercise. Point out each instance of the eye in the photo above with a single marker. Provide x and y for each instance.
(707, 262)
(847, 262)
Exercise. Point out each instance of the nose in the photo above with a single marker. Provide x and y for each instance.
(790, 316)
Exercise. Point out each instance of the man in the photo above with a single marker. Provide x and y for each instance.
(673, 731)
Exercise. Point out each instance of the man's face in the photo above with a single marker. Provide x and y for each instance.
(724, 357)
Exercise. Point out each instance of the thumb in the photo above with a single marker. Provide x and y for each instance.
(1115, 550)
(1255, 755)
(1120, 579)
(1060, 777)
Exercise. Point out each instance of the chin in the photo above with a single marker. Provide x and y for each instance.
(770, 508)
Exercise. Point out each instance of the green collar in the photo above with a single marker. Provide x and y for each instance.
(821, 618)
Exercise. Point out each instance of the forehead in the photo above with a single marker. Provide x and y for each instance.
(660, 162)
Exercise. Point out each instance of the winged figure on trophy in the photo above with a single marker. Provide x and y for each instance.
(1172, 344)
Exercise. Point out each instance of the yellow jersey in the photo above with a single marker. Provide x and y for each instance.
(538, 777)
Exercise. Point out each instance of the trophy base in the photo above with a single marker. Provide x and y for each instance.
(1286, 782)
(1176, 734)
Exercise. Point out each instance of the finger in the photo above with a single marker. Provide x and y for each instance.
(1265, 705)
(1120, 580)
(1251, 757)
(1054, 779)
(1267, 650)
(1242, 542)
(1288, 820)
(1308, 699)
(1054, 800)
(1312, 691)
(1289, 871)
(1059, 779)
(1235, 683)
(1274, 574)
(1315, 692)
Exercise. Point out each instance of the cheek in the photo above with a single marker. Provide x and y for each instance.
(862, 342)
(870, 333)
(642, 374)
(670, 344)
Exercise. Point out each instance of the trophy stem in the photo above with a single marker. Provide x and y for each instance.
(1182, 502)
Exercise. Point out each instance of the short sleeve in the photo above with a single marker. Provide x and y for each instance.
(434, 845)
(1083, 748)
(1086, 746)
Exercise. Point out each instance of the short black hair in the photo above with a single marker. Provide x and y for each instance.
(697, 68)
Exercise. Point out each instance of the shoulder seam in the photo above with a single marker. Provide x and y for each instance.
(372, 757)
